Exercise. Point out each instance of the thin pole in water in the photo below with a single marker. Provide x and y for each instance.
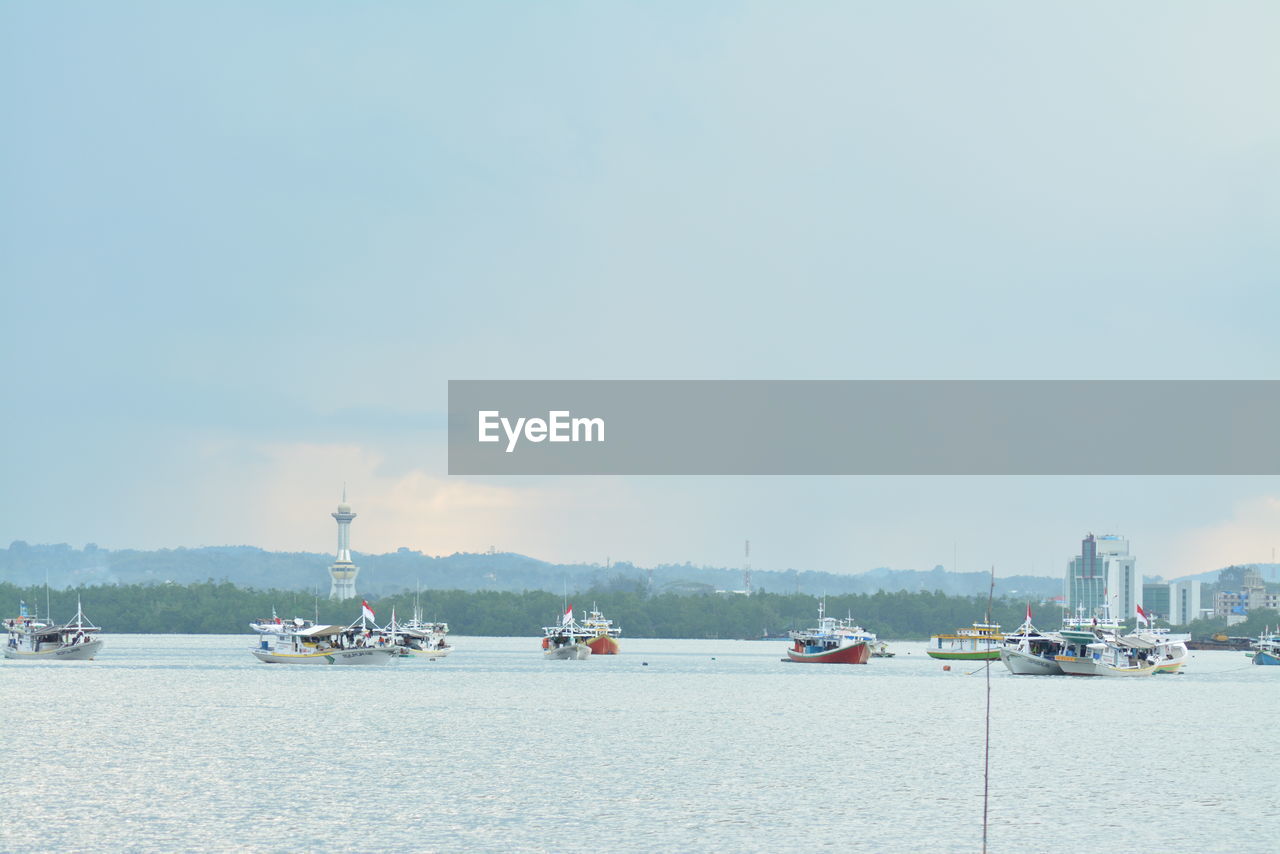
(986, 747)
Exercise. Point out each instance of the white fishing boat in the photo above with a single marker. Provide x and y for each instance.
(358, 643)
(1098, 653)
(1168, 651)
(418, 638)
(1029, 652)
(566, 641)
(31, 640)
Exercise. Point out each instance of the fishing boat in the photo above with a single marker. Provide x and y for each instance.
(31, 640)
(566, 641)
(1266, 649)
(264, 626)
(830, 642)
(1099, 653)
(1168, 651)
(980, 642)
(358, 643)
(1029, 652)
(418, 638)
(604, 633)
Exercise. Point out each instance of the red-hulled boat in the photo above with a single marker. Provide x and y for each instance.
(829, 643)
(605, 634)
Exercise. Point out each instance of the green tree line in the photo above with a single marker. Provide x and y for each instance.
(211, 607)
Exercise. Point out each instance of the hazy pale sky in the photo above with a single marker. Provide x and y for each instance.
(243, 246)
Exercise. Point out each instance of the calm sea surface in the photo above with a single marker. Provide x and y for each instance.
(187, 743)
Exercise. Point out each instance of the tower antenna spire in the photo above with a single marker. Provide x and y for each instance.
(342, 571)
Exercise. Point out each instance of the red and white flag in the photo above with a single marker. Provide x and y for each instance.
(1142, 615)
(365, 610)
(1028, 612)
(568, 616)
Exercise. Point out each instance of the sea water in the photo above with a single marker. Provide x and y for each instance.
(183, 742)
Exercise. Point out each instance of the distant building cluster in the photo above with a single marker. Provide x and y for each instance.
(1104, 579)
(1235, 605)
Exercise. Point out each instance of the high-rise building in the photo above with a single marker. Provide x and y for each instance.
(1102, 579)
(343, 571)
(1184, 602)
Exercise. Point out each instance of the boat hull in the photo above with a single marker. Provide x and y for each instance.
(1076, 666)
(603, 645)
(1025, 664)
(857, 653)
(964, 655)
(568, 652)
(1262, 657)
(332, 656)
(78, 652)
(429, 654)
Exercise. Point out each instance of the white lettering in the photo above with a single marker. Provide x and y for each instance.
(486, 425)
(513, 436)
(559, 426)
(588, 424)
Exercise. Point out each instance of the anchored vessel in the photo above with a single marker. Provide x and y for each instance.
(567, 641)
(1098, 653)
(981, 642)
(291, 643)
(604, 633)
(1029, 652)
(832, 641)
(1169, 652)
(1266, 649)
(419, 639)
(31, 640)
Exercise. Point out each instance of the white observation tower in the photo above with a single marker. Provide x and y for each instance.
(343, 571)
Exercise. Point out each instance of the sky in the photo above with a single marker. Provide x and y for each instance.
(244, 246)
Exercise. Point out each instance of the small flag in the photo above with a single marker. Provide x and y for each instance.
(365, 610)
(1142, 615)
(568, 616)
(1028, 612)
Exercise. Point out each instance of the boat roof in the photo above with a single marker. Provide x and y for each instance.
(322, 631)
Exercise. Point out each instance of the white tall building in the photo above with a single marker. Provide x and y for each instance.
(1103, 574)
(1184, 602)
(343, 571)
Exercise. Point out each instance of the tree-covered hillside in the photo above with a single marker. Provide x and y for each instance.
(222, 607)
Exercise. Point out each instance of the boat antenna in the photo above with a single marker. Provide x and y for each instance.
(986, 744)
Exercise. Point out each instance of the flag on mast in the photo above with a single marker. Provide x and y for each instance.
(568, 616)
(1028, 612)
(1142, 616)
(365, 610)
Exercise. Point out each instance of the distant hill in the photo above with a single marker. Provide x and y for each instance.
(383, 574)
(1269, 571)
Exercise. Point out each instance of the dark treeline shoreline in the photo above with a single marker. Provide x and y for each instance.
(211, 607)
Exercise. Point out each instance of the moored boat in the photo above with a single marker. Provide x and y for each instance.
(830, 642)
(566, 641)
(1266, 649)
(604, 633)
(358, 643)
(1168, 651)
(1097, 653)
(31, 640)
(418, 638)
(980, 642)
(1029, 652)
